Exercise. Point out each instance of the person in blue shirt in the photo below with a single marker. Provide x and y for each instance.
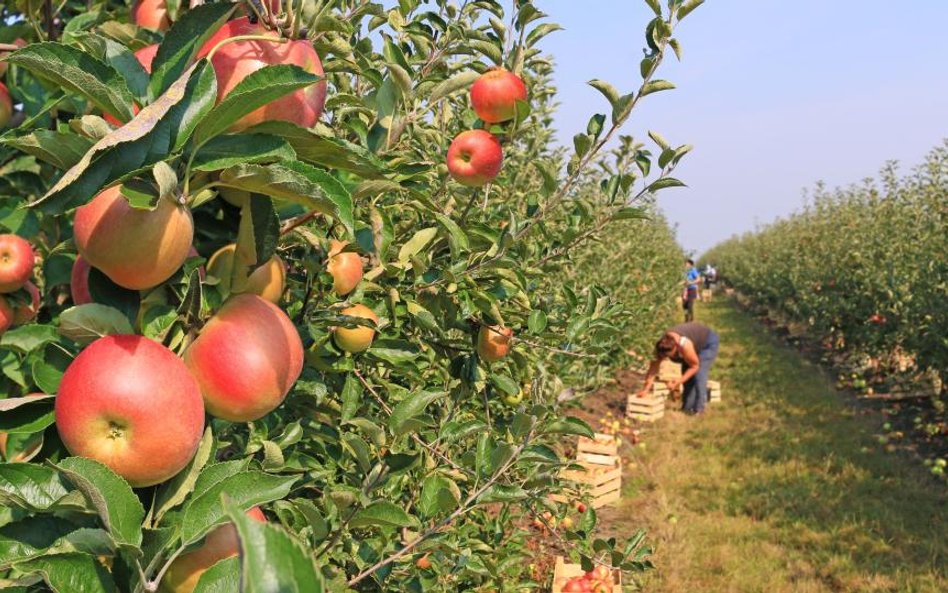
(690, 293)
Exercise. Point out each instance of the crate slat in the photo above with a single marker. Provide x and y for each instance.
(605, 444)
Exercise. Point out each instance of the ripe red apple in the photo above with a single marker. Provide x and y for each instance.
(6, 106)
(7, 315)
(345, 267)
(423, 563)
(146, 56)
(268, 280)
(79, 282)
(356, 339)
(220, 544)
(151, 14)
(475, 158)
(495, 93)
(246, 359)
(26, 313)
(130, 403)
(16, 262)
(136, 249)
(493, 342)
(233, 62)
(3, 54)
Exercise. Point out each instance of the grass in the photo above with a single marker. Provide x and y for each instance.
(782, 487)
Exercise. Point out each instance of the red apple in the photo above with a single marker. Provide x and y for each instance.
(146, 56)
(267, 281)
(136, 249)
(16, 262)
(356, 339)
(246, 359)
(79, 282)
(151, 14)
(495, 94)
(423, 563)
(221, 543)
(345, 267)
(26, 313)
(475, 158)
(233, 62)
(6, 106)
(130, 403)
(493, 342)
(7, 315)
(3, 54)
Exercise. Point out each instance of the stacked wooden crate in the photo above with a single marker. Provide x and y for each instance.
(714, 391)
(706, 295)
(564, 571)
(647, 409)
(601, 473)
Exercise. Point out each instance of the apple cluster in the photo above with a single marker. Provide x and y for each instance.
(19, 298)
(598, 580)
(475, 156)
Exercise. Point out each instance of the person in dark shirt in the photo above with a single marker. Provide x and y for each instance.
(695, 346)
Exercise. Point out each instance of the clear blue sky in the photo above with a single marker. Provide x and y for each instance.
(774, 95)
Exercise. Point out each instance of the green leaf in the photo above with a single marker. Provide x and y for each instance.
(110, 495)
(582, 143)
(655, 6)
(86, 323)
(331, 153)
(31, 487)
(655, 86)
(417, 242)
(223, 577)
(78, 72)
(381, 513)
(540, 32)
(607, 90)
(663, 183)
(409, 408)
(631, 213)
(259, 231)
(594, 127)
(271, 560)
(688, 7)
(536, 322)
(351, 397)
(71, 573)
(503, 493)
(296, 182)
(233, 149)
(181, 44)
(246, 489)
(505, 384)
(452, 85)
(569, 425)
(439, 494)
(27, 338)
(622, 108)
(28, 415)
(59, 149)
(174, 492)
(256, 90)
(658, 139)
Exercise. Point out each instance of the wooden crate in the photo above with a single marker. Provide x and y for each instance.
(706, 294)
(669, 370)
(563, 571)
(604, 444)
(648, 409)
(600, 478)
(714, 391)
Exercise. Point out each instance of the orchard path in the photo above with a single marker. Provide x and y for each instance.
(782, 488)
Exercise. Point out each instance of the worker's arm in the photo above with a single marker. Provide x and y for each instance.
(690, 357)
(649, 378)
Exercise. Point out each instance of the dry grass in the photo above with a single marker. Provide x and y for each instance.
(782, 488)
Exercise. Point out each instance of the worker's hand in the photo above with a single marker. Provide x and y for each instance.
(641, 393)
(673, 385)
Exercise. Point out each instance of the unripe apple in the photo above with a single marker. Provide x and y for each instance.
(16, 262)
(130, 403)
(513, 400)
(233, 62)
(136, 249)
(246, 359)
(7, 315)
(267, 281)
(356, 339)
(495, 93)
(493, 342)
(475, 158)
(79, 282)
(146, 56)
(6, 106)
(26, 313)
(221, 543)
(3, 65)
(151, 14)
(345, 268)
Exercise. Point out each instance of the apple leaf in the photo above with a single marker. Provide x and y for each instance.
(409, 408)
(331, 153)
(35, 416)
(59, 149)
(381, 513)
(70, 573)
(119, 509)
(222, 577)
(569, 425)
(78, 72)
(271, 560)
(233, 149)
(182, 42)
(246, 489)
(256, 90)
(175, 491)
(655, 86)
(86, 323)
(27, 338)
(30, 487)
(452, 85)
